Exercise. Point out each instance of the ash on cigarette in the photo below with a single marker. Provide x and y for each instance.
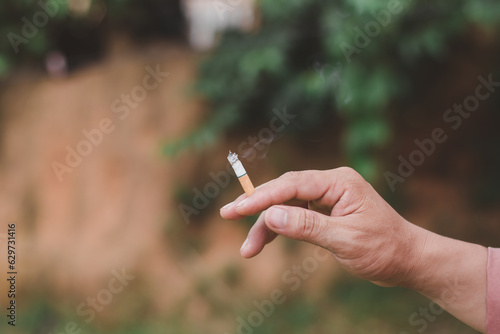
(232, 157)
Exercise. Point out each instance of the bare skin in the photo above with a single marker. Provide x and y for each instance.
(339, 211)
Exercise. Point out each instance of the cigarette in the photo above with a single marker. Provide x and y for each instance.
(241, 173)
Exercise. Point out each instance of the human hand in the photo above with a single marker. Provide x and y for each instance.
(339, 211)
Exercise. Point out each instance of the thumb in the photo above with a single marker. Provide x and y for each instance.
(301, 224)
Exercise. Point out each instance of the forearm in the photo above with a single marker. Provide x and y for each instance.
(452, 273)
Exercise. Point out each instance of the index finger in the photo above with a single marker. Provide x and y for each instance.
(306, 185)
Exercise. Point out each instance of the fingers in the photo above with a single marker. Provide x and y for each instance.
(258, 237)
(228, 212)
(322, 190)
(303, 224)
(303, 186)
(292, 222)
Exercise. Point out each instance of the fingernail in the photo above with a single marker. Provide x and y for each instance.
(244, 246)
(227, 205)
(276, 217)
(242, 203)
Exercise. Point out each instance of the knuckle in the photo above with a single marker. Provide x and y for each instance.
(352, 177)
(358, 190)
(309, 226)
(354, 183)
(349, 172)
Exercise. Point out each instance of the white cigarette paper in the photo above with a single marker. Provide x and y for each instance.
(241, 173)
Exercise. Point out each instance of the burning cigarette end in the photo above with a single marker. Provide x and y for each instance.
(241, 173)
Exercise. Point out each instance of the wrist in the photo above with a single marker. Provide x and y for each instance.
(435, 260)
(450, 272)
(417, 261)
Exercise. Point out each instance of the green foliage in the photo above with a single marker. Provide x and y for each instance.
(19, 48)
(300, 56)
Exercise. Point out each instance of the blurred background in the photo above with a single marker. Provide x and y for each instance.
(116, 117)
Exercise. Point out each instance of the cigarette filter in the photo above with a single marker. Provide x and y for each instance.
(241, 173)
